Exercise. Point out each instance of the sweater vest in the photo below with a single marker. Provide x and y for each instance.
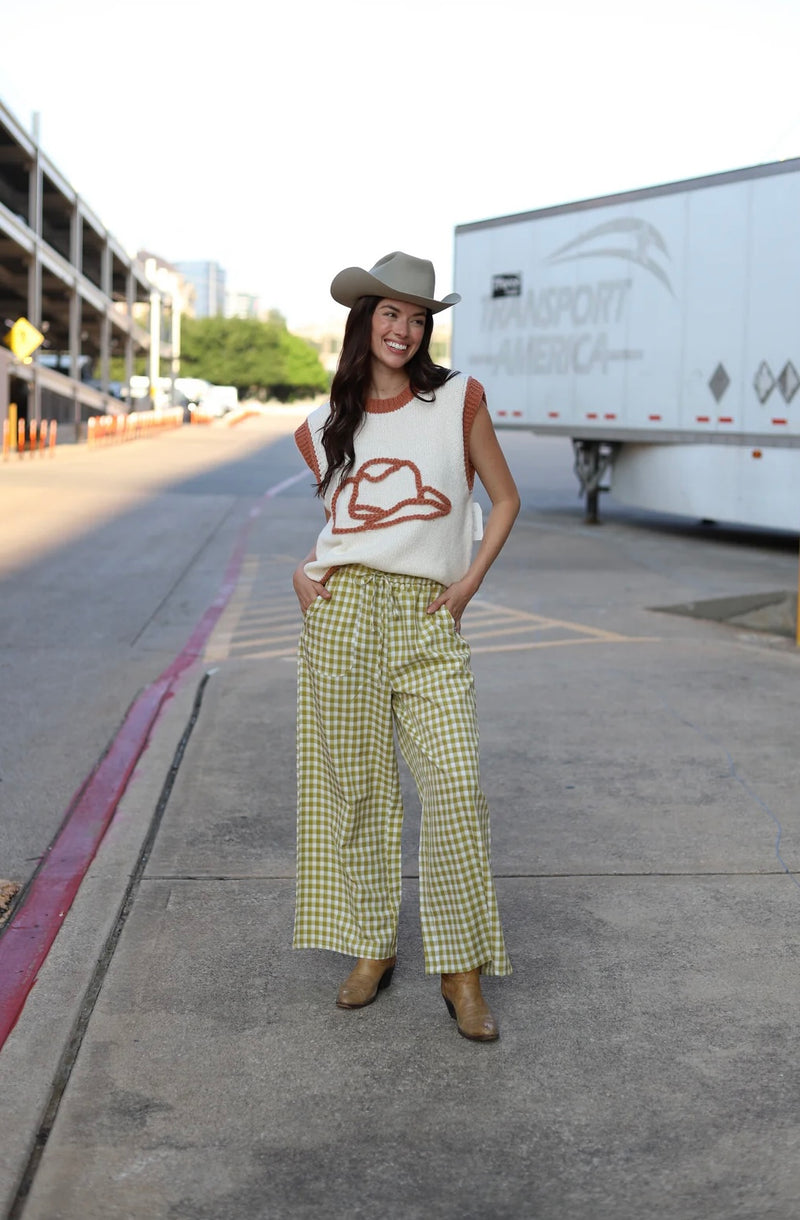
(406, 506)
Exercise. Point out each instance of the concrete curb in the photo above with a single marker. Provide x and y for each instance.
(46, 1036)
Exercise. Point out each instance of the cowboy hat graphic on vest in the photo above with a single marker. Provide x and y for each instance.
(384, 492)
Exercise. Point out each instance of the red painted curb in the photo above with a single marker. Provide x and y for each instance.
(29, 936)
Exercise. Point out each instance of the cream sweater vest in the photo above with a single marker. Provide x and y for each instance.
(406, 506)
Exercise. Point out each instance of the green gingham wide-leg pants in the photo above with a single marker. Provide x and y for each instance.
(370, 661)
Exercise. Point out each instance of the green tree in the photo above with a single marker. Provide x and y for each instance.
(262, 359)
(116, 370)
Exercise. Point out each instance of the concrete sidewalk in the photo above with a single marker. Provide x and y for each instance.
(638, 766)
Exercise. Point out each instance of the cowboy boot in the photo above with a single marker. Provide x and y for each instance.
(461, 993)
(369, 976)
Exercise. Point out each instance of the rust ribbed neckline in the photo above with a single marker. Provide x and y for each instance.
(377, 406)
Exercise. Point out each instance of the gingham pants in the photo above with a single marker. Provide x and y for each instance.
(371, 661)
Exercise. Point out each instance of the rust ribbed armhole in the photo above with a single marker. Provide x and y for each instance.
(474, 398)
(302, 438)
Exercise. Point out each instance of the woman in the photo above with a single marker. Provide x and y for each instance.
(394, 454)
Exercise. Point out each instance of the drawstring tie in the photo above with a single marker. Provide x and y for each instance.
(383, 605)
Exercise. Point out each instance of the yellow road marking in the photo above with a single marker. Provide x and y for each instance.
(553, 625)
(263, 630)
(616, 639)
(541, 622)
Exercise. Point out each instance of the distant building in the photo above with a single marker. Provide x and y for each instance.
(241, 305)
(208, 280)
(182, 288)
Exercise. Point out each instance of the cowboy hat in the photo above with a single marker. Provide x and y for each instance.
(398, 276)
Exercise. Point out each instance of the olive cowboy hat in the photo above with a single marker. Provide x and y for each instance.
(396, 276)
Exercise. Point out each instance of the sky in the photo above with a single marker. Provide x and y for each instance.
(289, 139)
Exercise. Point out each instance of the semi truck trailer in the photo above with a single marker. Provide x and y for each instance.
(658, 329)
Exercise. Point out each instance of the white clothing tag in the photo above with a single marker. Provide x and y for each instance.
(477, 522)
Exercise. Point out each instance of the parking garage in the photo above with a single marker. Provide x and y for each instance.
(63, 271)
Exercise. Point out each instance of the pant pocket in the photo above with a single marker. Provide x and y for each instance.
(328, 639)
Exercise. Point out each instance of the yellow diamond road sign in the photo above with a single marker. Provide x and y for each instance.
(24, 338)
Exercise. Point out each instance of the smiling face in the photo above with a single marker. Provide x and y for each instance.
(397, 331)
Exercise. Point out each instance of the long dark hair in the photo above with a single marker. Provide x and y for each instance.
(351, 382)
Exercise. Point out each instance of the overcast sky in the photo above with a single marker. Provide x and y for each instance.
(289, 139)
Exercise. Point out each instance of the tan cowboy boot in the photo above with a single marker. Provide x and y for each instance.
(369, 976)
(462, 995)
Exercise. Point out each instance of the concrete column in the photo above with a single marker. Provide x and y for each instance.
(35, 315)
(129, 297)
(76, 237)
(155, 343)
(35, 197)
(74, 333)
(175, 367)
(75, 351)
(34, 308)
(34, 395)
(76, 258)
(5, 378)
(105, 353)
(35, 193)
(105, 321)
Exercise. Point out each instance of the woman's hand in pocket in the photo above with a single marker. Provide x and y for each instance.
(307, 590)
(455, 597)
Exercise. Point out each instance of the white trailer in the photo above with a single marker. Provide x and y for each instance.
(659, 329)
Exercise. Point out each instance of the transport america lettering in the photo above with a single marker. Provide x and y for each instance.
(547, 355)
(581, 305)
